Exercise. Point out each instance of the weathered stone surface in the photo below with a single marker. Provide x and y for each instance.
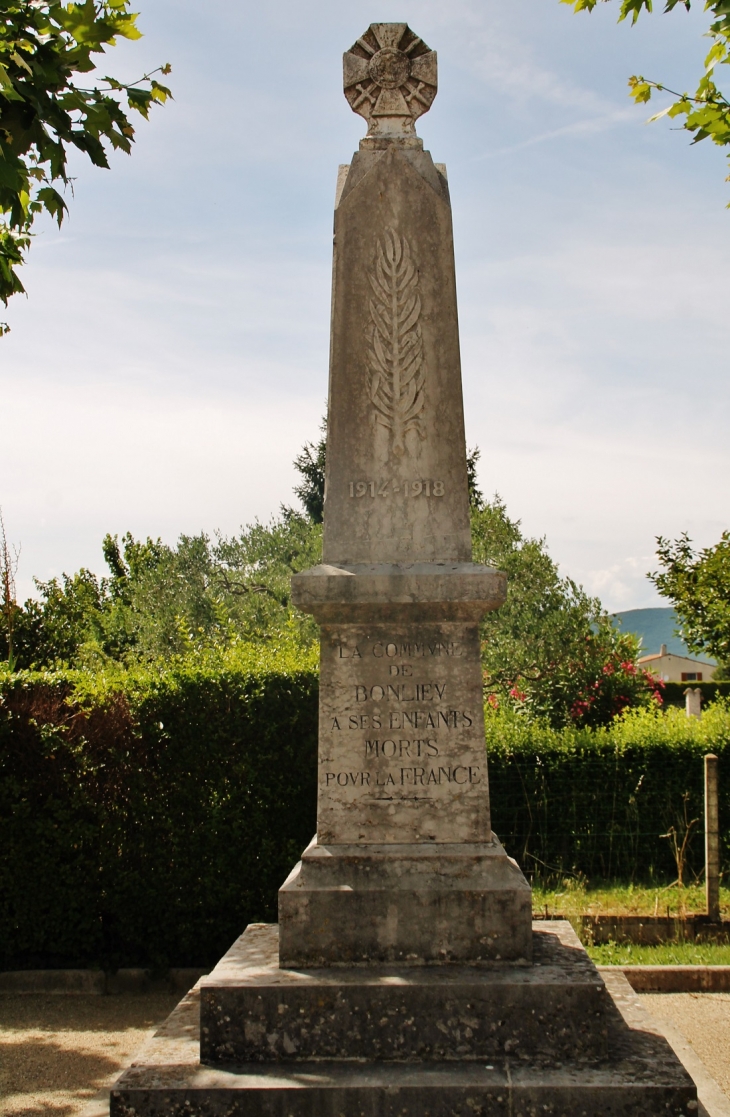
(390, 78)
(639, 1077)
(508, 1089)
(401, 735)
(396, 487)
(420, 902)
(368, 593)
(401, 727)
(405, 865)
(253, 1010)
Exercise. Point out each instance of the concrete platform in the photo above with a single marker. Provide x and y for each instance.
(253, 1011)
(506, 1089)
(637, 1075)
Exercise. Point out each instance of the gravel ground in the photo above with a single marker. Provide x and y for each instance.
(57, 1051)
(704, 1021)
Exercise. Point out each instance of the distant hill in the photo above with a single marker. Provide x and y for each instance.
(655, 627)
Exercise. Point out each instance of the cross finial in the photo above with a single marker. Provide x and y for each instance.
(390, 78)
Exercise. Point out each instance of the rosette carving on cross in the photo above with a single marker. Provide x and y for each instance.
(390, 78)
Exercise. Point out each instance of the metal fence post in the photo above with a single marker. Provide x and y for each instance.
(712, 840)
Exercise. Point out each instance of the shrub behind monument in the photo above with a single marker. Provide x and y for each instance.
(145, 820)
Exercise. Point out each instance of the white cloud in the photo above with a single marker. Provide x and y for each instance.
(172, 355)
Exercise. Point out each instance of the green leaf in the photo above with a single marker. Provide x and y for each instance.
(581, 5)
(20, 61)
(45, 46)
(718, 53)
(634, 8)
(640, 90)
(707, 113)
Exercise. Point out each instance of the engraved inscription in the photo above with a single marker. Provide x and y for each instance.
(396, 346)
(392, 649)
(386, 488)
(406, 728)
(459, 773)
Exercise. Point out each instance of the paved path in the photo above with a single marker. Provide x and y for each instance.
(703, 1019)
(56, 1052)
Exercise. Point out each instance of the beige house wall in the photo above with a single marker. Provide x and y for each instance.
(670, 667)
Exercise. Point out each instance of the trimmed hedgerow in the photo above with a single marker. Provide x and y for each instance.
(144, 820)
(148, 815)
(598, 802)
(673, 693)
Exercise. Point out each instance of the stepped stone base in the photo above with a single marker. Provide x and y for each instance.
(508, 1089)
(592, 1053)
(253, 1011)
(409, 902)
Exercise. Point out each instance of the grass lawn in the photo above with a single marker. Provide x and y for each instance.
(668, 954)
(575, 898)
(572, 899)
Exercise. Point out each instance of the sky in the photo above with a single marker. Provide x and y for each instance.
(171, 356)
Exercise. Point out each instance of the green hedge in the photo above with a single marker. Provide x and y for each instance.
(674, 692)
(146, 821)
(145, 818)
(597, 802)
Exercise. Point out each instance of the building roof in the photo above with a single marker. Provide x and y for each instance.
(671, 655)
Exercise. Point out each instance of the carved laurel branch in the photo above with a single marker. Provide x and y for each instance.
(396, 347)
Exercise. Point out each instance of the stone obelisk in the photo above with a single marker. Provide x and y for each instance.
(398, 982)
(404, 865)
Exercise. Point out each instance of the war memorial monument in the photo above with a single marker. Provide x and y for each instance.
(405, 977)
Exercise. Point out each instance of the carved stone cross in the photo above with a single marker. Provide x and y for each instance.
(390, 78)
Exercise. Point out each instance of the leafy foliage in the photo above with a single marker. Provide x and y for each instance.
(310, 463)
(551, 651)
(706, 113)
(476, 499)
(698, 585)
(44, 111)
(595, 803)
(160, 811)
(159, 602)
(8, 604)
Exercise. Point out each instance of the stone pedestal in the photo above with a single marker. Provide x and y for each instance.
(404, 866)
(405, 903)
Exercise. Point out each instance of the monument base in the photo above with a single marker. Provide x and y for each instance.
(495, 1040)
(421, 902)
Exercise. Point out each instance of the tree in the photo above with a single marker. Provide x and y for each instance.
(8, 603)
(698, 585)
(44, 111)
(706, 113)
(551, 650)
(310, 463)
(160, 601)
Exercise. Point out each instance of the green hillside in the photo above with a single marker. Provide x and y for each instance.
(655, 627)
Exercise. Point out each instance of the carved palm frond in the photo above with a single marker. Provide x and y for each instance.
(396, 347)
